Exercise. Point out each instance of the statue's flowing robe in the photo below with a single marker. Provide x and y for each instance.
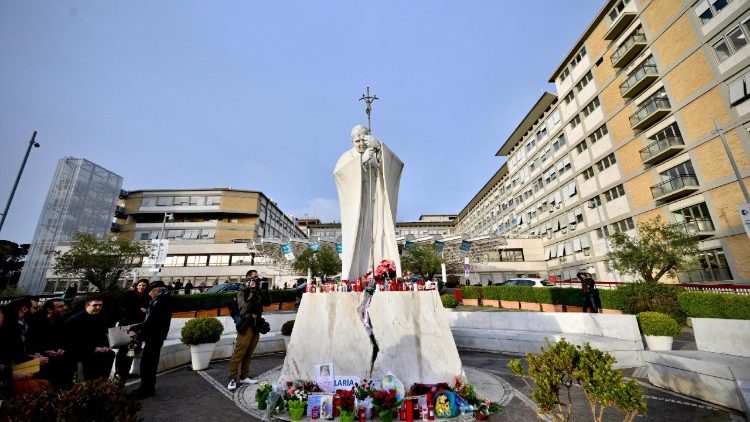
(363, 218)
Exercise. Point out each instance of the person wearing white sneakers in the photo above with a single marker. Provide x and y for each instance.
(250, 303)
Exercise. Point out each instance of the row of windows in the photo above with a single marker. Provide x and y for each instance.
(614, 193)
(732, 41)
(590, 107)
(620, 226)
(593, 138)
(169, 201)
(207, 260)
(176, 234)
(707, 9)
(617, 9)
(739, 89)
(573, 62)
(606, 162)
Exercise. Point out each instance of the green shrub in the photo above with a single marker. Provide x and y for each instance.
(611, 299)
(565, 296)
(287, 327)
(96, 401)
(491, 292)
(202, 330)
(544, 295)
(198, 301)
(654, 297)
(658, 324)
(280, 296)
(518, 293)
(714, 305)
(449, 301)
(471, 292)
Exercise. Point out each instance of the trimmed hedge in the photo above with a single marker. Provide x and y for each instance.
(658, 324)
(611, 299)
(714, 305)
(449, 301)
(491, 292)
(471, 292)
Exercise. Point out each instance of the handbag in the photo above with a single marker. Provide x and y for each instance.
(118, 336)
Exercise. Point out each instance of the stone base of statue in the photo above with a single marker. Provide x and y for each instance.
(414, 340)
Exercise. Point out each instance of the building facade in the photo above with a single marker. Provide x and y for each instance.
(632, 135)
(427, 225)
(81, 199)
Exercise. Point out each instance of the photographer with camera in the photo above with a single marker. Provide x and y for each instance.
(250, 325)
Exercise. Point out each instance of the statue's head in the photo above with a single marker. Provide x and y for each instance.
(359, 138)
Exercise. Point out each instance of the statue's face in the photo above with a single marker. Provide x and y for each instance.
(359, 139)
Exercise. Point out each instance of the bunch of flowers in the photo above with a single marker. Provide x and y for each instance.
(345, 400)
(364, 389)
(298, 392)
(385, 400)
(387, 268)
(483, 408)
(261, 394)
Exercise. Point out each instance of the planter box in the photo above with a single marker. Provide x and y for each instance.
(271, 307)
(471, 302)
(510, 304)
(530, 306)
(206, 312)
(659, 343)
(223, 311)
(571, 308)
(548, 307)
(187, 314)
(611, 311)
(286, 306)
(491, 302)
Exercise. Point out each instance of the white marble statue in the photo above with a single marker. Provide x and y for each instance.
(368, 210)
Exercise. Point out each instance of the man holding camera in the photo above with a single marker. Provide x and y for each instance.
(250, 303)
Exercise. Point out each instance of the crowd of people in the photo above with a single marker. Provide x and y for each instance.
(46, 346)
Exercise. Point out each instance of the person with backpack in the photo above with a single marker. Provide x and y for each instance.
(247, 314)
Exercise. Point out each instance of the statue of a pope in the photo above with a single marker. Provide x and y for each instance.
(367, 180)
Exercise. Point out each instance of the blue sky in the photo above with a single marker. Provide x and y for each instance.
(263, 95)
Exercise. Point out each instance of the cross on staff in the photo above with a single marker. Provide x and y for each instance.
(368, 99)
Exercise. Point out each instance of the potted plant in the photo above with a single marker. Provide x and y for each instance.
(262, 393)
(296, 401)
(363, 393)
(346, 405)
(286, 331)
(201, 334)
(659, 330)
(386, 404)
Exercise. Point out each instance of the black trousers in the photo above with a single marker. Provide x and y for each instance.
(97, 365)
(589, 301)
(123, 362)
(149, 364)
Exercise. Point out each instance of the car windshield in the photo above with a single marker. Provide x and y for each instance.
(546, 283)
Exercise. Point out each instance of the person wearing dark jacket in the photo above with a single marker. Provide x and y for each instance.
(250, 303)
(589, 294)
(152, 332)
(134, 312)
(86, 334)
(49, 341)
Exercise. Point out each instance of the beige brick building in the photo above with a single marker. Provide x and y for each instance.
(630, 136)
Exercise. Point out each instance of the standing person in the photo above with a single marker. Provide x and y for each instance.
(188, 287)
(588, 292)
(135, 306)
(152, 332)
(48, 340)
(250, 303)
(177, 286)
(70, 292)
(87, 341)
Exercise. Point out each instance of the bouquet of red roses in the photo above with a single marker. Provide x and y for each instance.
(345, 400)
(385, 400)
(386, 268)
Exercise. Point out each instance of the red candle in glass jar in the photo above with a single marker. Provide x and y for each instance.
(362, 413)
(315, 412)
(409, 411)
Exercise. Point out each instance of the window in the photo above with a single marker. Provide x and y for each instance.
(181, 200)
(564, 74)
(208, 234)
(606, 162)
(149, 202)
(584, 81)
(569, 98)
(602, 232)
(174, 234)
(590, 107)
(578, 57)
(531, 144)
(713, 267)
(614, 193)
(595, 202)
(175, 261)
(142, 235)
(732, 41)
(623, 225)
(588, 173)
(563, 165)
(582, 146)
(617, 9)
(696, 218)
(598, 134)
(575, 122)
(218, 260)
(197, 200)
(559, 142)
(546, 154)
(554, 119)
(212, 200)
(191, 234)
(511, 255)
(197, 260)
(683, 169)
(164, 201)
(707, 9)
(739, 89)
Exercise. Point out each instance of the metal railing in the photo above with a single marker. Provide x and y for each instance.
(627, 45)
(660, 145)
(640, 72)
(674, 184)
(648, 108)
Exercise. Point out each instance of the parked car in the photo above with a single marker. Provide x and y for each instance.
(531, 282)
(225, 287)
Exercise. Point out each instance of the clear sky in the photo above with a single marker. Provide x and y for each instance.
(263, 95)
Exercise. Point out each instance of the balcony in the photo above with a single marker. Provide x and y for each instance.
(675, 187)
(619, 25)
(662, 149)
(626, 52)
(650, 112)
(116, 227)
(699, 227)
(120, 212)
(639, 80)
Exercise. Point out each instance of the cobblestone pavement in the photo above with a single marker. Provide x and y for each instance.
(186, 395)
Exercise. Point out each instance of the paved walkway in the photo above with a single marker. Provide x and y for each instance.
(185, 395)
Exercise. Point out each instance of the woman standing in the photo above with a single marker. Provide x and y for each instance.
(135, 306)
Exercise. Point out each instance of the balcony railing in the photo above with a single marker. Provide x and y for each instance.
(674, 187)
(638, 80)
(649, 112)
(633, 45)
(661, 149)
(700, 227)
(619, 24)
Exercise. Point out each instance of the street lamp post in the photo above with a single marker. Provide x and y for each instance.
(32, 143)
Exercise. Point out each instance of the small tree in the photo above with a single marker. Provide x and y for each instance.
(422, 259)
(100, 262)
(562, 365)
(324, 261)
(659, 249)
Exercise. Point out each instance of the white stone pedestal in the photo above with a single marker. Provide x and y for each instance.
(411, 330)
